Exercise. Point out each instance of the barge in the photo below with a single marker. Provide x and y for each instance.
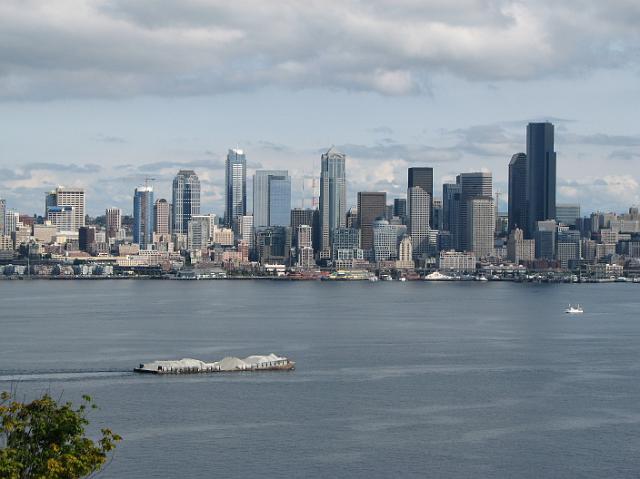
(270, 362)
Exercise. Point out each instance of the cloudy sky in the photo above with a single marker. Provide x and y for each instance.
(103, 93)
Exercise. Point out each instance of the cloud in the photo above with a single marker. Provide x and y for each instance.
(176, 165)
(618, 192)
(119, 48)
(110, 139)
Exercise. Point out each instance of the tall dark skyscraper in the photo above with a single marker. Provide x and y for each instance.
(422, 177)
(541, 175)
(333, 196)
(186, 200)
(371, 205)
(235, 181)
(518, 191)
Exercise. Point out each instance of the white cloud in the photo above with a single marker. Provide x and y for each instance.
(115, 48)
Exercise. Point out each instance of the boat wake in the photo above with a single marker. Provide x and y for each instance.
(61, 375)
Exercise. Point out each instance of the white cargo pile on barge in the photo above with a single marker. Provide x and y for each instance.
(270, 362)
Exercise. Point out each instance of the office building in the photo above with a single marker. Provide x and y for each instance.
(67, 197)
(162, 217)
(422, 177)
(457, 261)
(520, 249)
(186, 200)
(235, 187)
(86, 238)
(200, 232)
(472, 185)
(451, 212)
(347, 239)
(271, 198)
(541, 175)
(400, 209)
(63, 217)
(247, 230)
(113, 220)
(418, 204)
(371, 206)
(333, 197)
(481, 226)
(518, 191)
(143, 216)
(545, 236)
(3, 212)
(567, 214)
(436, 215)
(405, 253)
(386, 239)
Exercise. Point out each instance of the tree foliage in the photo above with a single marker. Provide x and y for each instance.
(46, 439)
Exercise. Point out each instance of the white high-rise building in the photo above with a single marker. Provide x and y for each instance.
(64, 197)
(418, 204)
(481, 222)
(3, 212)
(247, 230)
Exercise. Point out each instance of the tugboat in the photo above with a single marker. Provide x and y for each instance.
(574, 309)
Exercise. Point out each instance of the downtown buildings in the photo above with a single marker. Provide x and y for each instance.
(375, 232)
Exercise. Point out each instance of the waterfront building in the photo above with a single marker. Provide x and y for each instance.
(518, 191)
(162, 217)
(235, 187)
(567, 253)
(271, 198)
(472, 185)
(143, 216)
(520, 249)
(423, 178)
(541, 175)
(63, 197)
(333, 197)
(273, 244)
(405, 254)
(304, 246)
(185, 200)
(418, 204)
(567, 214)
(347, 239)
(371, 206)
(386, 239)
(457, 261)
(113, 220)
(481, 226)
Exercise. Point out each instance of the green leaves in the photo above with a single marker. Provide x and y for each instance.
(45, 439)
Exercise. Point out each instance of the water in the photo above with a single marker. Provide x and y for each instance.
(393, 379)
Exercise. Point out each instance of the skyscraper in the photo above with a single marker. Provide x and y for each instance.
(272, 198)
(518, 191)
(567, 213)
(471, 185)
(113, 217)
(305, 216)
(235, 187)
(186, 200)
(371, 206)
(143, 216)
(481, 225)
(541, 175)
(333, 196)
(3, 211)
(423, 177)
(162, 217)
(400, 208)
(451, 211)
(418, 205)
(68, 197)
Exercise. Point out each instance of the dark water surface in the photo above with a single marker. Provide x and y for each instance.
(393, 379)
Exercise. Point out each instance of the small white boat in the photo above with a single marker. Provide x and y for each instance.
(574, 309)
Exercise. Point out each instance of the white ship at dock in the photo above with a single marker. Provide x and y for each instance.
(270, 362)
